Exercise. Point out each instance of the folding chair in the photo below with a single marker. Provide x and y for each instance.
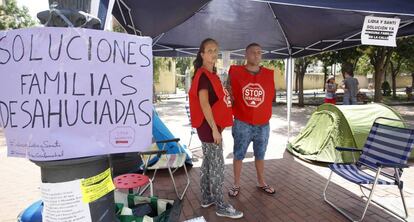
(168, 161)
(193, 130)
(386, 147)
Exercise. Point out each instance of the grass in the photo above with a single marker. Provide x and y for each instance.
(399, 98)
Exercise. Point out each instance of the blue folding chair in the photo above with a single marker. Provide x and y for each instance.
(386, 147)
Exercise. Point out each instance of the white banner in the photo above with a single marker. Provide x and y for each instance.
(68, 93)
(380, 31)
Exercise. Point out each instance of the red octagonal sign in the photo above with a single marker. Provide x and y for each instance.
(253, 94)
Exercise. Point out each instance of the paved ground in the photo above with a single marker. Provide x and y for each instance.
(298, 184)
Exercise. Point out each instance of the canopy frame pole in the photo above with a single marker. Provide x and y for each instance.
(280, 26)
(289, 68)
(132, 26)
(164, 48)
(156, 39)
(288, 73)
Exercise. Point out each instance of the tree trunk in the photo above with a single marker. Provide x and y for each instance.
(380, 60)
(394, 85)
(412, 79)
(378, 75)
(300, 96)
(296, 83)
(325, 76)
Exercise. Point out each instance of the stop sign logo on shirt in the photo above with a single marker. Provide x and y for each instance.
(253, 94)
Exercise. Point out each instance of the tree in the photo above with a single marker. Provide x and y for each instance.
(328, 59)
(182, 64)
(13, 17)
(402, 54)
(277, 63)
(379, 58)
(395, 66)
(410, 65)
(300, 67)
(349, 55)
(364, 66)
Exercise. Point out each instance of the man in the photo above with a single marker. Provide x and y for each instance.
(253, 90)
(349, 84)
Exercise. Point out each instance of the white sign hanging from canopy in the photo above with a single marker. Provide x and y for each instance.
(380, 31)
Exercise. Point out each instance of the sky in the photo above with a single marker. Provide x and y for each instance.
(34, 6)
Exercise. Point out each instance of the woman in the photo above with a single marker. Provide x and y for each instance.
(330, 86)
(210, 111)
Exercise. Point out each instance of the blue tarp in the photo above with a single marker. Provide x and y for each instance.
(161, 132)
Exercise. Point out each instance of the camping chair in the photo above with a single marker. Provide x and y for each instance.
(165, 160)
(193, 130)
(386, 147)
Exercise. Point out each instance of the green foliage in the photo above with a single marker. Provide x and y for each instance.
(378, 55)
(279, 64)
(349, 55)
(363, 66)
(13, 17)
(301, 64)
(327, 58)
(118, 28)
(404, 54)
(183, 63)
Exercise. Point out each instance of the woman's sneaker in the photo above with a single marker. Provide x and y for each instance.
(206, 203)
(229, 211)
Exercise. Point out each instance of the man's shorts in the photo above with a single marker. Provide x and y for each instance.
(244, 133)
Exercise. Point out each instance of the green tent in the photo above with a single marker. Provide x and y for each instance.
(344, 126)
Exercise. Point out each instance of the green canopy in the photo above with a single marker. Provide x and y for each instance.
(331, 126)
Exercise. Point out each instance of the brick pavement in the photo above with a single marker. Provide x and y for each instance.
(299, 187)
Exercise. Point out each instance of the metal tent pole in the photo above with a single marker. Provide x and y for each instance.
(289, 76)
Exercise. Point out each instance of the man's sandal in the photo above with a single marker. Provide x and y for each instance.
(267, 189)
(234, 191)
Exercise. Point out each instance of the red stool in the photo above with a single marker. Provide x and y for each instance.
(132, 181)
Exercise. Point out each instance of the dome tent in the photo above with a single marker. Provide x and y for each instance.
(333, 126)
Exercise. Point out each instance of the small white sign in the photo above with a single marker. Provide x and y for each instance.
(63, 202)
(380, 31)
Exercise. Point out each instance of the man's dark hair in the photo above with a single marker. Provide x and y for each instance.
(348, 68)
(252, 45)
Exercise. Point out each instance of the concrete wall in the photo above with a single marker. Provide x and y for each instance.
(280, 83)
(403, 81)
(167, 81)
(316, 81)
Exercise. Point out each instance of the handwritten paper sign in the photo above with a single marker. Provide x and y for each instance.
(380, 31)
(68, 92)
(63, 202)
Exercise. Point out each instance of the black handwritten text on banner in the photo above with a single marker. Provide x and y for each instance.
(67, 93)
